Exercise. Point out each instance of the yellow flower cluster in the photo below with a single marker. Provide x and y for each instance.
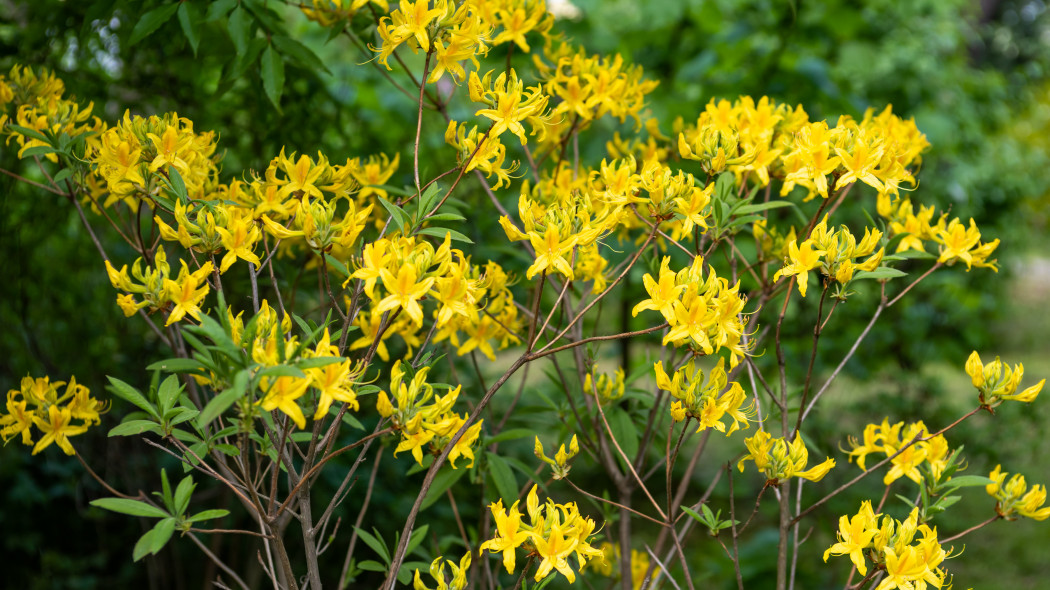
(330, 12)
(764, 140)
(611, 557)
(425, 418)
(38, 403)
(157, 289)
(39, 105)
(560, 462)
(455, 34)
(779, 459)
(890, 545)
(837, 254)
(705, 313)
(590, 86)
(609, 389)
(333, 381)
(437, 571)
(1014, 498)
(557, 531)
(888, 440)
(955, 240)
(997, 382)
(131, 157)
(557, 230)
(709, 403)
(214, 228)
(478, 304)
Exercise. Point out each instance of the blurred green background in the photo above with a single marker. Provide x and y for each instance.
(974, 74)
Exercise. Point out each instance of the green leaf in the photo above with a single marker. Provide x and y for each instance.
(151, 21)
(273, 75)
(237, 27)
(416, 538)
(502, 477)
(176, 185)
(757, 207)
(132, 427)
(302, 54)
(439, 232)
(189, 15)
(132, 395)
(378, 546)
(128, 506)
(879, 274)
(161, 535)
(142, 547)
(370, 565)
(224, 400)
(169, 392)
(696, 515)
(396, 213)
(38, 150)
(176, 365)
(182, 495)
(446, 217)
(969, 481)
(624, 430)
(510, 434)
(208, 515)
(31, 133)
(281, 371)
(318, 361)
(442, 482)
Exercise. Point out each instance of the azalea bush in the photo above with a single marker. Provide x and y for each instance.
(418, 338)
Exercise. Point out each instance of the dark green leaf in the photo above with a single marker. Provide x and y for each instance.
(300, 53)
(219, 403)
(273, 75)
(151, 21)
(375, 544)
(503, 478)
(31, 133)
(189, 16)
(38, 150)
(237, 27)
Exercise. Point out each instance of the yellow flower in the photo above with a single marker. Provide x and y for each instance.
(855, 534)
(509, 535)
(554, 550)
(663, 292)
(802, 260)
(405, 292)
(550, 252)
(282, 393)
(56, 429)
(184, 292)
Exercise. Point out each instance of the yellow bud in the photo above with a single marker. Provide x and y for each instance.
(975, 369)
(383, 405)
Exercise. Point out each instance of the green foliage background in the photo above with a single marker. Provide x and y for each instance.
(973, 74)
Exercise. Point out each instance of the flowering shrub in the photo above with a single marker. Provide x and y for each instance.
(270, 382)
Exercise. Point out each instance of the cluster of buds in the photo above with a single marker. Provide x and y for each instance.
(424, 418)
(997, 382)
(708, 403)
(1013, 498)
(158, 290)
(779, 459)
(560, 463)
